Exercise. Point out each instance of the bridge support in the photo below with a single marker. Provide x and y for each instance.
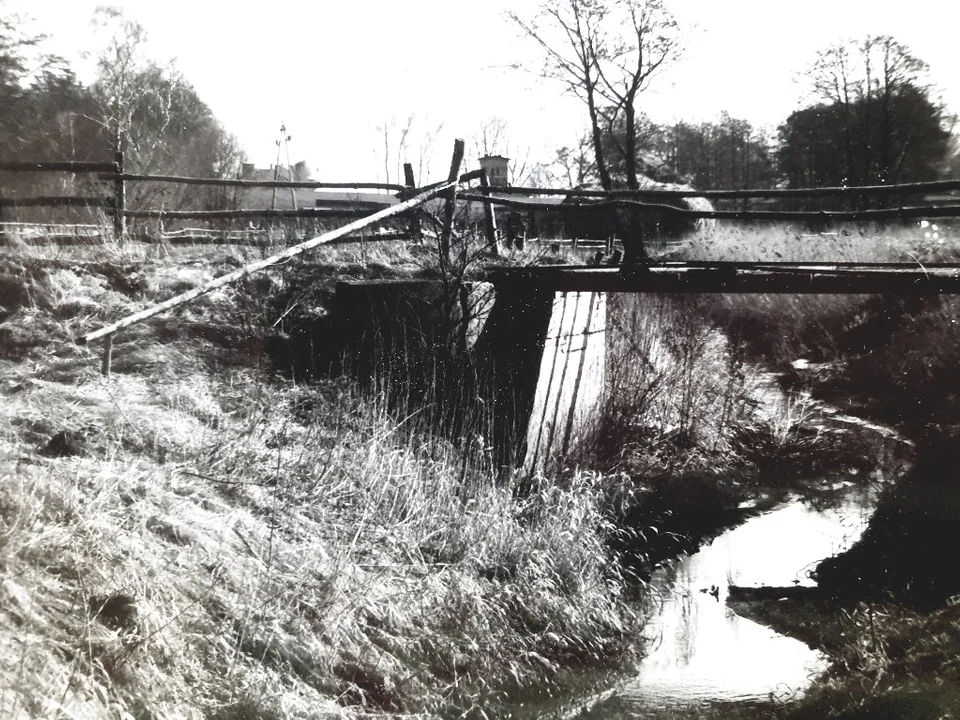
(569, 384)
(523, 374)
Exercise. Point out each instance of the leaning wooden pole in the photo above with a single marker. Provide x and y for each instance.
(450, 206)
(267, 262)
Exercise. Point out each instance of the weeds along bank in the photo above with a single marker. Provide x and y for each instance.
(853, 341)
(694, 434)
(195, 538)
(893, 640)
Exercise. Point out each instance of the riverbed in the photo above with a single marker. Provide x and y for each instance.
(704, 660)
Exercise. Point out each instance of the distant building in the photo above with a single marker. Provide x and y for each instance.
(354, 200)
(497, 167)
(300, 172)
(279, 198)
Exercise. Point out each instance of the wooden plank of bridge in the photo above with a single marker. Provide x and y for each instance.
(774, 278)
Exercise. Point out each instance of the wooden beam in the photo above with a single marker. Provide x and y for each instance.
(259, 265)
(119, 200)
(232, 182)
(410, 183)
(56, 201)
(903, 213)
(780, 279)
(489, 219)
(59, 166)
(107, 359)
(845, 191)
(247, 213)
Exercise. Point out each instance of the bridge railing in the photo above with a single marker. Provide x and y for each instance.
(655, 201)
(647, 199)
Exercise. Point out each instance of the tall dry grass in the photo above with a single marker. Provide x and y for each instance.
(783, 328)
(195, 538)
(682, 396)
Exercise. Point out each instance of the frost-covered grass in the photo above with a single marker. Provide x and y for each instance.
(195, 537)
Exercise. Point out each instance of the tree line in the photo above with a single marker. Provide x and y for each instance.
(873, 117)
(135, 105)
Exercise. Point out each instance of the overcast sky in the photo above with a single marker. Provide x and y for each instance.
(335, 70)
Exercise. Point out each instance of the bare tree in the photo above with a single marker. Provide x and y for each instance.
(394, 136)
(119, 64)
(650, 41)
(155, 117)
(494, 138)
(571, 165)
(406, 141)
(605, 52)
(570, 35)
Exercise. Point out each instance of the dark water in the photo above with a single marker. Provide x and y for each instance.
(705, 661)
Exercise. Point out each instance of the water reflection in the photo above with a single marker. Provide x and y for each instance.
(707, 661)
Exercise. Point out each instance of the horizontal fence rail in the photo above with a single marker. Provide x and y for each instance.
(842, 191)
(237, 182)
(245, 214)
(517, 198)
(922, 211)
(68, 166)
(56, 201)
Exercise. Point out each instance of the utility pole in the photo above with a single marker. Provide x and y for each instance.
(283, 145)
(286, 148)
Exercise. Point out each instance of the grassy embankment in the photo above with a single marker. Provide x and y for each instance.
(196, 537)
(894, 640)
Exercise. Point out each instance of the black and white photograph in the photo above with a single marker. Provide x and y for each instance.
(561, 359)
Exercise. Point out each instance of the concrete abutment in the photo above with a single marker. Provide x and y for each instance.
(517, 368)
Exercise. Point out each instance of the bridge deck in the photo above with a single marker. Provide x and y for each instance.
(740, 277)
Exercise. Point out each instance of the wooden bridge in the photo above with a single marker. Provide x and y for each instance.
(542, 342)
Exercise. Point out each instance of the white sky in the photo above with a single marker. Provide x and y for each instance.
(335, 70)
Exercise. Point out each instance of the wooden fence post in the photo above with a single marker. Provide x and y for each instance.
(450, 206)
(490, 219)
(119, 199)
(107, 358)
(411, 182)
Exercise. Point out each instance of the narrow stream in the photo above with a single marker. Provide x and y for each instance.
(704, 660)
